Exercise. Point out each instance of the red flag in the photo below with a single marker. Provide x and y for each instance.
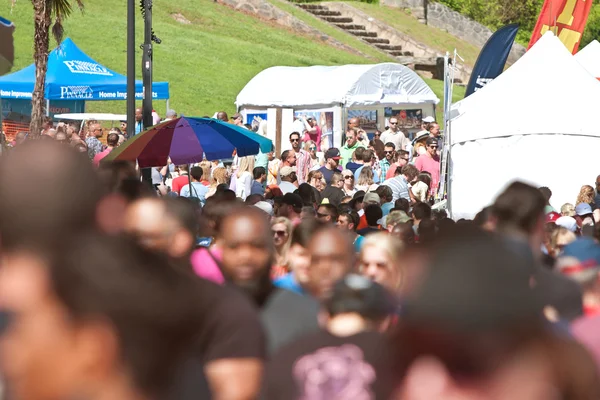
(566, 18)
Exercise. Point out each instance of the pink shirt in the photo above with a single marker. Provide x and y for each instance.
(98, 157)
(205, 266)
(431, 165)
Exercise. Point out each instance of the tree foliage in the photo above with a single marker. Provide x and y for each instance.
(497, 13)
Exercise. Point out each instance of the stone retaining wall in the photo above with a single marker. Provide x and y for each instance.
(442, 17)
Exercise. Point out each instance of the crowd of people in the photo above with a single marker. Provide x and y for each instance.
(312, 275)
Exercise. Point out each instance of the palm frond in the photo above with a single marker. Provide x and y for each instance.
(58, 30)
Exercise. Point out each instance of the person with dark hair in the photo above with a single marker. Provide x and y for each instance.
(402, 204)
(248, 253)
(333, 192)
(183, 179)
(386, 195)
(368, 161)
(29, 219)
(253, 199)
(547, 193)
(302, 157)
(373, 214)
(490, 324)
(299, 258)
(484, 219)
(309, 194)
(430, 162)
(427, 231)
(395, 135)
(518, 213)
(399, 184)
(349, 356)
(402, 158)
(404, 232)
(258, 184)
(348, 221)
(389, 152)
(327, 213)
(332, 163)
(112, 141)
(356, 161)
(420, 212)
(291, 207)
(196, 189)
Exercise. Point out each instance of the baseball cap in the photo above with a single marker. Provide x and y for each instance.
(465, 287)
(265, 206)
(431, 140)
(552, 216)
(428, 119)
(285, 171)
(583, 209)
(358, 294)
(397, 217)
(567, 222)
(292, 199)
(332, 153)
(358, 197)
(372, 198)
(579, 256)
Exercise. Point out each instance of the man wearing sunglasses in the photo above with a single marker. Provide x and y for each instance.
(386, 163)
(302, 157)
(430, 162)
(395, 135)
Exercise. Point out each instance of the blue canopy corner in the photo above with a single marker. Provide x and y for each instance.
(73, 75)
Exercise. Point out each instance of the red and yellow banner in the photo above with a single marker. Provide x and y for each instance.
(566, 18)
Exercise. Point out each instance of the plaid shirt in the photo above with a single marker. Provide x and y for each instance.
(302, 165)
(384, 165)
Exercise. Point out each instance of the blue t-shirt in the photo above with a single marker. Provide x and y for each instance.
(358, 243)
(352, 166)
(357, 174)
(288, 282)
(386, 208)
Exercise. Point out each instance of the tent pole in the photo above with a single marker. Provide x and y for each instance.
(130, 69)
(47, 108)
(167, 105)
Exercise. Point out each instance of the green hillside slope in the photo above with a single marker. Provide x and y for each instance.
(206, 62)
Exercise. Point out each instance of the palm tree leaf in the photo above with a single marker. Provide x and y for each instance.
(58, 30)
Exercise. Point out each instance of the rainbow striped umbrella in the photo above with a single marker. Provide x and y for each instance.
(186, 140)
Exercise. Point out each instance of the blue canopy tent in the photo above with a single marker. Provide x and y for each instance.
(73, 75)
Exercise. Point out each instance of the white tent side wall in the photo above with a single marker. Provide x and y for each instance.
(481, 169)
(589, 58)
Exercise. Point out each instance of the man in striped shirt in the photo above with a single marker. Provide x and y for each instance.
(302, 158)
(400, 184)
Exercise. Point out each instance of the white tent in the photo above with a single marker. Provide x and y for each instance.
(336, 91)
(346, 85)
(589, 58)
(537, 122)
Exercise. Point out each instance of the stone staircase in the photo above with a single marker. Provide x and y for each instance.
(347, 24)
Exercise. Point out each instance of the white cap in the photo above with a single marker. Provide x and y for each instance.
(265, 206)
(428, 119)
(567, 222)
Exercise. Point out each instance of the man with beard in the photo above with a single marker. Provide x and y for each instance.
(247, 258)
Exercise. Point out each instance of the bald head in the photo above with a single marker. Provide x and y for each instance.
(332, 257)
(47, 192)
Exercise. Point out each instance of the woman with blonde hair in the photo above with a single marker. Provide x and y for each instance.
(281, 229)
(205, 165)
(315, 162)
(348, 187)
(219, 177)
(365, 179)
(241, 181)
(316, 180)
(586, 195)
(380, 260)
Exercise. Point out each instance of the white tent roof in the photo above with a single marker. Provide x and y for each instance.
(545, 92)
(348, 85)
(589, 58)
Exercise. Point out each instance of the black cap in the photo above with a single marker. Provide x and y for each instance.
(474, 283)
(358, 197)
(293, 200)
(357, 294)
(332, 153)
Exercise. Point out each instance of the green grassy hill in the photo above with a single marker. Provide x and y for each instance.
(206, 62)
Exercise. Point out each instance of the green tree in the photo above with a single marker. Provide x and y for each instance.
(46, 14)
(592, 28)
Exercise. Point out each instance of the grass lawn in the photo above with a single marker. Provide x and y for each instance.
(432, 37)
(206, 62)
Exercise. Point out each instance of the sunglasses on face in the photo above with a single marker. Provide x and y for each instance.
(312, 148)
(294, 140)
(393, 123)
(348, 177)
(279, 233)
(389, 152)
(433, 147)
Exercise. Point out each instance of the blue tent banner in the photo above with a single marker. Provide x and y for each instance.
(492, 59)
(73, 75)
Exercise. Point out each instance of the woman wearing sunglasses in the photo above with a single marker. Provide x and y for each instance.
(281, 229)
(315, 161)
(348, 187)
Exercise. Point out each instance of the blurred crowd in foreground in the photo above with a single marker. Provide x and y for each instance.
(109, 290)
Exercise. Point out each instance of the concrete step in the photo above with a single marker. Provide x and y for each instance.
(338, 20)
(351, 27)
(388, 47)
(326, 13)
(309, 7)
(408, 54)
(396, 53)
(376, 40)
(363, 33)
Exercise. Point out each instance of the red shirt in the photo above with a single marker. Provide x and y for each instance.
(179, 183)
(98, 157)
